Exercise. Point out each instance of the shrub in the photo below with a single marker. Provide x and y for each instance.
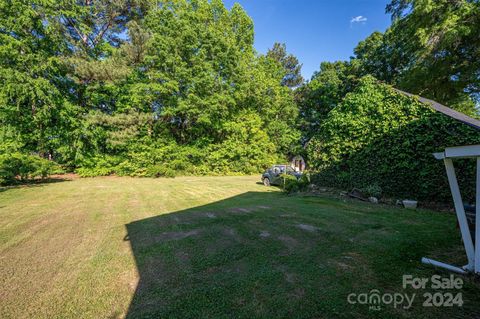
(378, 136)
(293, 185)
(14, 166)
(98, 166)
(160, 171)
(372, 191)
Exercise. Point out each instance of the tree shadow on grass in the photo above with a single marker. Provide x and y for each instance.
(208, 261)
(34, 183)
(266, 255)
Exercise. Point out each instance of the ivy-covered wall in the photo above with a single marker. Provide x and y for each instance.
(378, 138)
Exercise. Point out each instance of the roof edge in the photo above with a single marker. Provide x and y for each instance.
(459, 116)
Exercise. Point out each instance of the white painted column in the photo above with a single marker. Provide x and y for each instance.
(460, 210)
(477, 220)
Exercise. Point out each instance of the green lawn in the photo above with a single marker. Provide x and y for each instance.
(211, 247)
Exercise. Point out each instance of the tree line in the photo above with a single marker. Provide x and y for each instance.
(166, 87)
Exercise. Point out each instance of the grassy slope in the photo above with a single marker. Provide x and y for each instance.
(209, 247)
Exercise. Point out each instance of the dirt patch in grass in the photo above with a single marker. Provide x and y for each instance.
(231, 233)
(245, 210)
(69, 176)
(289, 276)
(182, 257)
(289, 242)
(343, 266)
(263, 207)
(351, 261)
(224, 238)
(298, 293)
(175, 220)
(240, 210)
(264, 234)
(293, 280)
(178, 235)
(307, 227)
(172, 220)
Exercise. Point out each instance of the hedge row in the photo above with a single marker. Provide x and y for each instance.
(378, 138)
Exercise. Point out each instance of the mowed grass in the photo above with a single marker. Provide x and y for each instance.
(212, 247)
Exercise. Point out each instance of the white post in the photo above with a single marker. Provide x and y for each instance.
(435, 263)
(459, 209)
(477, 220)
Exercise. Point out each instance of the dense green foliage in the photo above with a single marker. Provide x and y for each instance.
(292, 184)
(431, 49)
(26, 167)
(378, 138)
(326, 90)
(138, 87)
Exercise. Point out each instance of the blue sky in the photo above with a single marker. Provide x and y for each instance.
(315, 30)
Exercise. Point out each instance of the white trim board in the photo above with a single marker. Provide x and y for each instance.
(459, 152)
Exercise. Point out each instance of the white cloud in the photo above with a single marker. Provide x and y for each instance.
(358, 19)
